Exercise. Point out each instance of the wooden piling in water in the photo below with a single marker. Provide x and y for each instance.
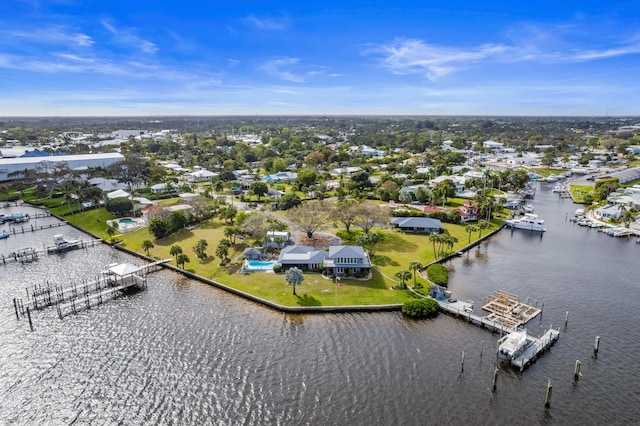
(576, 371)
(596, 345)
(547, 401)
(462, 363)
(29, 316)
(15, 305)
(495, 379)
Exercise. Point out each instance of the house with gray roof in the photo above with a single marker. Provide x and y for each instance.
(425, 225)
(339, 260)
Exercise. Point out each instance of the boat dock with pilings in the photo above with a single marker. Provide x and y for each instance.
(75, 297)
(502, 319)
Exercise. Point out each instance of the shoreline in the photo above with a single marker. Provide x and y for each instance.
(392, 307)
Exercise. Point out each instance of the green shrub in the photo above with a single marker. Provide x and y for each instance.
(438, 274)
(277, 268)
(423, 308)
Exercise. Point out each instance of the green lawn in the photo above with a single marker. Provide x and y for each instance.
(579, 192)
(390, 256)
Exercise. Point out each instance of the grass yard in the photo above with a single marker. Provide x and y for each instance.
(390, 256)
(579, 192)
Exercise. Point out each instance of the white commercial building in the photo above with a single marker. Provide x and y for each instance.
(12, 165)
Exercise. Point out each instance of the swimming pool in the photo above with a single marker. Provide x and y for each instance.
(127, 220)
(259, 265)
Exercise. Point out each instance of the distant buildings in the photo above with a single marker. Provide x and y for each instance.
(74, 162)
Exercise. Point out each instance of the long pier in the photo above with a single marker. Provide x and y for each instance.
(77, 297)
(31, 228)
(31, 254)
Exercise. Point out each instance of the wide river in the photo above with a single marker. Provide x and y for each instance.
(183, 352)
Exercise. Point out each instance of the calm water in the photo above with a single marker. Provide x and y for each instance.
(182, 352)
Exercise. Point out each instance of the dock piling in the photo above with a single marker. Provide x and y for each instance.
(15, 305)
(596, 345)
(29, 316)
(495, 379)
(576, 371)
(566, 318)
(462, 363)
(547, 401)
(481, 348)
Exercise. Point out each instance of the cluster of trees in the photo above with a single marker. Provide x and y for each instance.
(438, 274)
(423, 308)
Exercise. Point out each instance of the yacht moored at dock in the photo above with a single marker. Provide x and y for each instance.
(529, 221)
(513, 344)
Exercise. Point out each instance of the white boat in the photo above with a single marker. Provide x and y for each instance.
(62, 244)
(558, 187)
(513, 344)
(580, 212)
(528, 208)
(529, 221)
(551, 178)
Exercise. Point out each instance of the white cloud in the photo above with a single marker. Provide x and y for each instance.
(53, 35)
(281, 68)
(417, 57)
(267, 24)
(129, 38)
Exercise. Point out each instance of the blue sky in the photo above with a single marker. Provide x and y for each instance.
(139, 57)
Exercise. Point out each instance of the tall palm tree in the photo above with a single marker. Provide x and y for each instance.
(147, 245)
(182, 259)
(414, 266)
(175, 250)
(469, 228)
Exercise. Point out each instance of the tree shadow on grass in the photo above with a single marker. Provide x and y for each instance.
(383, 260)
(306, 300)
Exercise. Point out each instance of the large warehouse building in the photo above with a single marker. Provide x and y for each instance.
(11, 165)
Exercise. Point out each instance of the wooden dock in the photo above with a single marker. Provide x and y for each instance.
(464, 310)
(75, 297)
(537, 347)
(31, 254)
(31, 228)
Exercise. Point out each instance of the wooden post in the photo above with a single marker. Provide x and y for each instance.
(462, 362)
(29, 316)
(547, 401)
(481, 348)
(495, 379)
(576, 371)
(15, 305)
(566, 318)
(596, 345)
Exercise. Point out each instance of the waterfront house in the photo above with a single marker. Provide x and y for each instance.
(609, 212)
(468, 211)
(159, 188)
(339, 260)
(424, 225)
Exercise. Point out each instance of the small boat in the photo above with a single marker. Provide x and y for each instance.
(529, 221)
(513, 344)
(580, 212)
(528, 208)
(4, 235)
(62, 244)
(558, 188)
(551, 178)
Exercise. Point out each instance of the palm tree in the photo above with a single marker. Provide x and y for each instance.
(435, 238)
(200, 249)
(414, 266)
(147, 245)
(182, 259)
(111, 230)
(483, 224)
(403, 276)
(293, 277)
(626, 217)
(470, 229)
(175, 250)
(222, 251)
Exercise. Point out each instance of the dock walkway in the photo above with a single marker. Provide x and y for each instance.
(536, 347)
